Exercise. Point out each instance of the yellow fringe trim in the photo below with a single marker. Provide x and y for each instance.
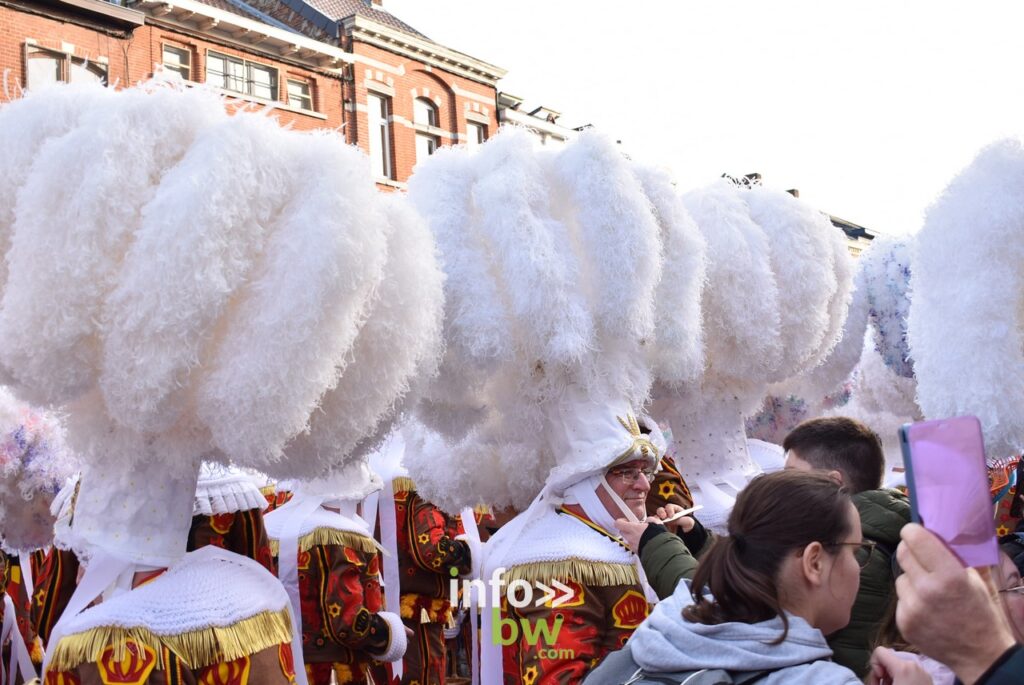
(197, 648)
(403, 484)
(330, 536)
(593, 573)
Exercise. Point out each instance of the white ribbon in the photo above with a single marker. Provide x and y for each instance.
(103, 569)
(494, 553)
(20, 659)
(25, 561)
(370, 511)
(8, 623)
(392, 577)
(475, 552)
(288, 572)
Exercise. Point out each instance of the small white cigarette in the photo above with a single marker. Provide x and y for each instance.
(681, 514)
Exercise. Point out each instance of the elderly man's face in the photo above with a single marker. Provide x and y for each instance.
(630, 481)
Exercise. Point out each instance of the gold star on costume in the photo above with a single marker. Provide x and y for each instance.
(666, 490)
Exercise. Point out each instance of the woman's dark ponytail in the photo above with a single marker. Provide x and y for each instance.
(775, 515)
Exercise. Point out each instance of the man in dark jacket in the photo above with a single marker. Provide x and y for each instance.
(852, 454)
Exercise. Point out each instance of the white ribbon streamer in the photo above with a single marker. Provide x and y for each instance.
(25, 561)
(288, 572)
(392, 577)
(103, 569)
(475, 552)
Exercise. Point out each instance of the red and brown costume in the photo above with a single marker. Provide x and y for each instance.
(668, 487)
(241, 532)
(56, 582)
(427, 553)
(606, 604)
(344, 627)
(13, 582)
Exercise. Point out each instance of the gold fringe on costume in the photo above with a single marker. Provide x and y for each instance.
(331, 536)
(593, 573)
(197, 648)
(403, 484)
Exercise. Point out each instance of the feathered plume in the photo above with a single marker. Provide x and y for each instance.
(34, 462)
(194, 289)
(678, 355)
(966, 322)
(562, 253)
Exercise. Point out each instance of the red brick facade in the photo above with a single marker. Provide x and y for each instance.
(458, 100)
(339, 86)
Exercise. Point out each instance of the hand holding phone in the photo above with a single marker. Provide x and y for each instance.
(948, 484)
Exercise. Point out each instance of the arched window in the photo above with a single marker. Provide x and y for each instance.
(424, 112)
(424, 116)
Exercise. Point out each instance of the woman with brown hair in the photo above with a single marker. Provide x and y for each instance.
(763, 598)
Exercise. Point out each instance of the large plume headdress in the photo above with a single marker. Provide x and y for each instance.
(34, 462)
(967, 319)
(199, 289)
(555, 266)
(874, 381)
(778, 289)
(884, 384)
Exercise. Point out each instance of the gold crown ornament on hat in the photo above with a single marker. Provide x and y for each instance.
(641, 443)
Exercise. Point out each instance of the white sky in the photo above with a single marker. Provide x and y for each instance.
(868, 107)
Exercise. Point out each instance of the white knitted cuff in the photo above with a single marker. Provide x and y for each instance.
(476, 553)
(396, 641)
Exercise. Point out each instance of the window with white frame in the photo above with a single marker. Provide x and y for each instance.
(241, 76)
(424, 112)
(379, 115)
(476, 134)
(425, 145)
(178, 60)
(43, 67)
(300, 94)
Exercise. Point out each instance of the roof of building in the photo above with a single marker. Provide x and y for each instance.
(343, 9)
(282, 15)
(852, 230)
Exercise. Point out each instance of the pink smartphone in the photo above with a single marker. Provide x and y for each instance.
(948, 483)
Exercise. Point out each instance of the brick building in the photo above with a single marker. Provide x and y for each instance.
(347, 65)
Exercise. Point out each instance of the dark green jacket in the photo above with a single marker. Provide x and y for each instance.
(883, 513)
(667, 557)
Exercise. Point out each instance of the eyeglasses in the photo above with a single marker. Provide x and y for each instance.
(865, 548)
(633, 475)
(1016, 590)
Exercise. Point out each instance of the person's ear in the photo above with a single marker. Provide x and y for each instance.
(837, 476)
(812, 563)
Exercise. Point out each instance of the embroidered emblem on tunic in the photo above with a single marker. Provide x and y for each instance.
(137, 662)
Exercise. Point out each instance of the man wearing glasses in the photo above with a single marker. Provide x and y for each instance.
(607, 459)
